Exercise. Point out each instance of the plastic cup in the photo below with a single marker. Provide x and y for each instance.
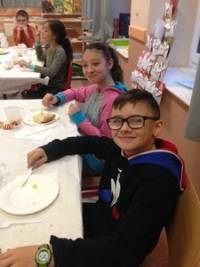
(8, 64)
(13, 113)
(21, 50)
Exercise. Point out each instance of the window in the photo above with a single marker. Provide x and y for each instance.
(20, 3)
(195, 51)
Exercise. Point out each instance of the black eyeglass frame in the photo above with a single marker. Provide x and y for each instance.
(127, 121)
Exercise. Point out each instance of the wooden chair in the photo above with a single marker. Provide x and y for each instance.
(69, 76)
(184, 232)
(179, 245)
(90, 187)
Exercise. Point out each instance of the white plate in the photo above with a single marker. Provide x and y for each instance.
(28, 119)
(39, 192)
(3, 52)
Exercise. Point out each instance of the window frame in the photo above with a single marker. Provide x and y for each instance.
(194, 56)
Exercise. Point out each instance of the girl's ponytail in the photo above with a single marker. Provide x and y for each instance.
(66, 44)
(116, 71)
(58, 28)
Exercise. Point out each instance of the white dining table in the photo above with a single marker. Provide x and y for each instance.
(63, 217)
(15, 78)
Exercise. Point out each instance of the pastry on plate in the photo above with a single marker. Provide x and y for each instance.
(3, 51)
(9, 125)
(44, 117)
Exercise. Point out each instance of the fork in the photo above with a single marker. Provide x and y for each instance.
(6, 224)
(27, 176)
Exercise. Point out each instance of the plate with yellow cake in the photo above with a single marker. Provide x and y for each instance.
(3, 51)
(41, 118)
(38, 193)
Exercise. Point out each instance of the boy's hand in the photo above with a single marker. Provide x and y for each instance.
(23, 256)
(36, 158)
(49, 100)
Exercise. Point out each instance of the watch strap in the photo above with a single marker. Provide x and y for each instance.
(44, 247)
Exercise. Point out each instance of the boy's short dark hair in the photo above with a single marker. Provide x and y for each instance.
(135, 96)
(22, 13)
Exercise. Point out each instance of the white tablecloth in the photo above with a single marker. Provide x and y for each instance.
(63, 217)
(16, 78)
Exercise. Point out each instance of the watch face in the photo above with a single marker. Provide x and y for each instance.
(43, 256)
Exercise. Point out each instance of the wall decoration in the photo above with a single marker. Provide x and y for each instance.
(153, 62)
(58, 5)
(61, 6)
(68, 6)
(47, 6)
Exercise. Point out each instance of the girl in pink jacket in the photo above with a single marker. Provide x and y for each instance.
(94, 102)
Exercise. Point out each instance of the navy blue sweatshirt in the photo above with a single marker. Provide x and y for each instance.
(137, 198)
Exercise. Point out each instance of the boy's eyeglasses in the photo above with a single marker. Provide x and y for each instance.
(134, 122)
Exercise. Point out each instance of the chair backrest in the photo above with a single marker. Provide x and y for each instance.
(72, 33)
(183, 233)
(69, 77)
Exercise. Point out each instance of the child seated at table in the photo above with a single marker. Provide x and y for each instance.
(141, 182)
(23, 32)
(94, 102)
(57, 57)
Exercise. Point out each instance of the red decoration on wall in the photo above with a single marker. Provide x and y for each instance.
(174, 3)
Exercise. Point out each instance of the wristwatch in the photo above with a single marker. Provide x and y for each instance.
(43, 256)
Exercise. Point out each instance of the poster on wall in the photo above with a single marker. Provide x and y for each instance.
(58, 6)
(47, 6)
(61, 6)
(72, 6)
(68, 6)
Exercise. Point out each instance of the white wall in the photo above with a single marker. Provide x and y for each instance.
(186, 18)
(140, 13)
(120, 6)
(156, 10)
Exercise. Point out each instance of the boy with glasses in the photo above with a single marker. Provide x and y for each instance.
(23, 33)
(142, 179)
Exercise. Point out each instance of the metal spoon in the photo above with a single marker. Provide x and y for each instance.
(27, 176)
(6, 224)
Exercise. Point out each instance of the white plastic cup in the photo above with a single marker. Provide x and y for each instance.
(8, 64)
(22, 50)
(13, 113)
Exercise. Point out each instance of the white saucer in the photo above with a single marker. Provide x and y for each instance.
(28, 119)
(37, 194)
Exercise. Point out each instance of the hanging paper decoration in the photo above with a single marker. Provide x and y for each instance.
(153, 62)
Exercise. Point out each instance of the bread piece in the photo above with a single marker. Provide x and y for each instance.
(43, 117)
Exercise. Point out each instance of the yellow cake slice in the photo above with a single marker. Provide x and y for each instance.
(43, 117)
